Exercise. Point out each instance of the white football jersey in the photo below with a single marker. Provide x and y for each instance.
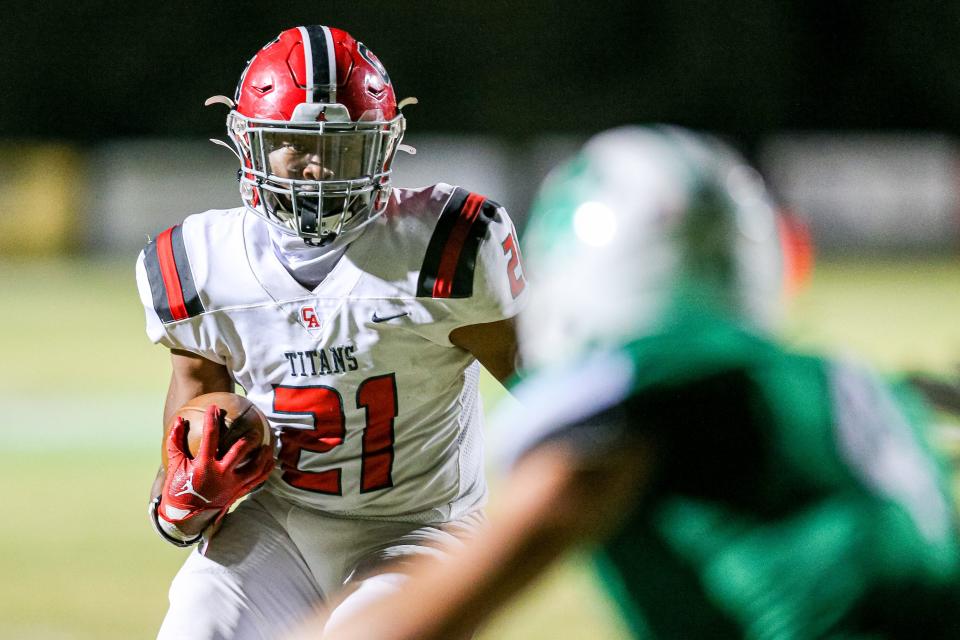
(378, 413)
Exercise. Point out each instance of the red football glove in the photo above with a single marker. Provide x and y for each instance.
(194, 486)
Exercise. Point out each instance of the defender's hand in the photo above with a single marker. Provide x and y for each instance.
(205, 484)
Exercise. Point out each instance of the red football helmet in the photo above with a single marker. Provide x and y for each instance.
(316, 125)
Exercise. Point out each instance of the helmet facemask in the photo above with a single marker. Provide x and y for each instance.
(319, 174)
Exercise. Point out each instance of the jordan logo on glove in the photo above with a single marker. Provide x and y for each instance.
(188, 489)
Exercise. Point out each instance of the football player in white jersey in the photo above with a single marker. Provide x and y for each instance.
(356, 315)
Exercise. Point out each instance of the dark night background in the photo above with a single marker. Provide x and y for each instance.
(90, 71)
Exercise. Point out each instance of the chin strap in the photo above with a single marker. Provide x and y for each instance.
(169, 531)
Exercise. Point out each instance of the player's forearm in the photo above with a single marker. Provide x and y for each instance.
(552, 506)
(191, 376)
(448, 598)
(488, 576)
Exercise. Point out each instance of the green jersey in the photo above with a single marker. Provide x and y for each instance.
(792, 496)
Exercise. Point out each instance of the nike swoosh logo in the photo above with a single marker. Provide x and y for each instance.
(377, 318)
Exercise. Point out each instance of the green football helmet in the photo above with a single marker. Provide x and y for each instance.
(645, 223)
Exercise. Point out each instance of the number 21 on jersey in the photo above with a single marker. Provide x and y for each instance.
(377, 396)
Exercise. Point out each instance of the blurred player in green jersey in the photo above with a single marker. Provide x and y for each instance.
(728, 487)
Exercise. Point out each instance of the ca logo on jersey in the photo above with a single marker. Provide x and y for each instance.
(308, 318)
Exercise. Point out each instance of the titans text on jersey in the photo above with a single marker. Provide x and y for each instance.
(317, 362)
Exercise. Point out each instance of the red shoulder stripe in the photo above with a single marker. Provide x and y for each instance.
(171, 280)
(454, 245)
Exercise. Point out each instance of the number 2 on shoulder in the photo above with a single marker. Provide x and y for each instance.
(511, 249)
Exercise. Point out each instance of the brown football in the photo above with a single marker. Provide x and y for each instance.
(238, 417)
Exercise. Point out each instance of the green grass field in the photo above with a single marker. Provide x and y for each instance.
(81, 390)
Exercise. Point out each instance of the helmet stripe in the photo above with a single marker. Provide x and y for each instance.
(308, 60)
(331, 65)
(320, 64)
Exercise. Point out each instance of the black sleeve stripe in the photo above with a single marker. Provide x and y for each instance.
(463, 277)
(451, 256)
(174, 292)
(191, 297)
(431, 261)
(152, 264)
